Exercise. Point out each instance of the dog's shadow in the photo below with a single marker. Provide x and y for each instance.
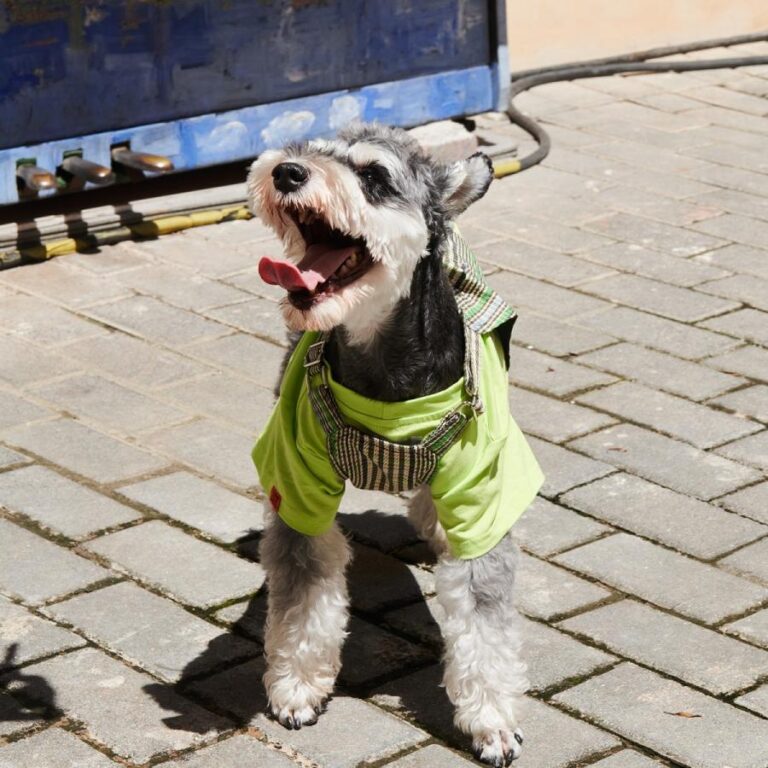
(392, 631)
(33, 697)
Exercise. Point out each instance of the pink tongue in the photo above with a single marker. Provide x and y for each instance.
(319, 263)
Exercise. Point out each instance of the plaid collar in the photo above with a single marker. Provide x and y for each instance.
(481, 307)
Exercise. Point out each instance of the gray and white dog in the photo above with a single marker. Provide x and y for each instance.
(396, 334)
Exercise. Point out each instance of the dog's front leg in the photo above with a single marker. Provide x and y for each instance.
(484, 676)
(306, 619)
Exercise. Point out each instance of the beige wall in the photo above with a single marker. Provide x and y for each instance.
(544, 32)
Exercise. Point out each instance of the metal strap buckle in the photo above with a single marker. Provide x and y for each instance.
(314, 354)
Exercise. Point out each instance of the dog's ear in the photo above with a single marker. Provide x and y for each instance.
(467, 181)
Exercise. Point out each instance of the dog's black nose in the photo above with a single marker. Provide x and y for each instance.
(288, 177)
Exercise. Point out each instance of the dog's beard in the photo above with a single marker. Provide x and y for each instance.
(396, 238)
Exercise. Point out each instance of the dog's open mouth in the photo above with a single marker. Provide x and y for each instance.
(332, 259)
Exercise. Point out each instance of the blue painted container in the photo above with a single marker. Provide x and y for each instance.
(207, 82)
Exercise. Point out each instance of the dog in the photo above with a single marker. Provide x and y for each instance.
(397, 381)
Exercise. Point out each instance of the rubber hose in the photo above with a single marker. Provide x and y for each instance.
(602, 68)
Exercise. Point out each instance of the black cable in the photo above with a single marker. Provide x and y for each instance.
(602, 68)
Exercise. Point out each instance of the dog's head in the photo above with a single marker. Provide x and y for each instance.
(355, 215)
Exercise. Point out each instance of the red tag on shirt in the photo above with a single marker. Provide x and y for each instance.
(275, 498)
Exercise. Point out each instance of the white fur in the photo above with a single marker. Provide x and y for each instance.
(484, 676)
(305, 628)
(395, 238)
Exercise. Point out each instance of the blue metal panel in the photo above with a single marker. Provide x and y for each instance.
(71, 67)
(243, 133)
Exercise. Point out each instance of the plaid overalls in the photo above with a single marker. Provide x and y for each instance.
(372, 463)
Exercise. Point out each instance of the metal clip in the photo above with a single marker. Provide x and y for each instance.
(36, 179)
(88, 171)
(141, 161)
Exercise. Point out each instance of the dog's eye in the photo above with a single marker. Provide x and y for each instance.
(377, 183)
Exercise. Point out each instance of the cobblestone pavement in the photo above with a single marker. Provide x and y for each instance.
(133, 382)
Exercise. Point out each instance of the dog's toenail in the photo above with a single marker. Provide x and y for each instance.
(519, 738)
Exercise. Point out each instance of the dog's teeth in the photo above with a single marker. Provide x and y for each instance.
(353, 260)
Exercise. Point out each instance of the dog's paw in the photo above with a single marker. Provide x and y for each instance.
(498, 748)
(293, 717)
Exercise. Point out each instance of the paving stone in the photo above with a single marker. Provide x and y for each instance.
(226, 397)
(256, 315)
(180, 288)
(629, 257)
(557, 338)
(223, 515)
(748, 361)
(53, 748)
(641, 155)
(697, 424)
(740, 229)
(9, 458)
(756, 700)
(379, 518)
(420, 697)
(239, 750)
(544, 233)
(21, 363)
(156, 321)
(654, 234)
(747, 324)
(695, 655)
(658, 298)
(750, 502)
(194, 572)
(151, 632)
(553, 419)
(687, 341)
(33, 319)
(189, 249)
(371, 653)
(25, 637)
(553, 657)
(432, 756)
(542, 297)
(544, 591)
(627, 759)
(16, 718)
(736, 202)
(211, 448)
(547, 528)
(109, 259)
(753, 628)
(752, 450)
(670, 185)
(550, 374)
(349, 732)
(733, 178)
(16, 410)
(695, 527)
(249, 356)
(249, 280)
(661, 577)
(752, 401)
(59, 504)
(670, 463)
(737, 257)
(377, 581)
(21, 576)
(538, 262)
(730, 99)
(64, 283)
(636, 704)
(748, 289)
(563, 469)
(420, 620)
(125, 710)
(98, 456)
(661, 371)
(102, 401)
(750, 561)
(135, 361)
